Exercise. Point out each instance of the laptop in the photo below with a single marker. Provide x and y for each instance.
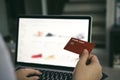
(41, 41)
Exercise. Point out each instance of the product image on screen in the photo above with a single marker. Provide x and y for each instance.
(42, 40)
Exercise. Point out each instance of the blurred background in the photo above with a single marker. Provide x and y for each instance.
(105, 26)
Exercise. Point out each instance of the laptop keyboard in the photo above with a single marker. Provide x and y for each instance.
(54, 75)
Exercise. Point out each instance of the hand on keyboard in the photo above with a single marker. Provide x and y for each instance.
(27, 74)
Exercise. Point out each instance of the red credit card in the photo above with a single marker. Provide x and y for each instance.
(77, 46)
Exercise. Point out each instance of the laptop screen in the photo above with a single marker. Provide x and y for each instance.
(41, 40)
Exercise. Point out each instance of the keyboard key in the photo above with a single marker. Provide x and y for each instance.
(52, 75)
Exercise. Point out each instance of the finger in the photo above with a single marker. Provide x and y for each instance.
(33, 78)
(90, 57)
(94, 59)
(33, 71)
(84, 57)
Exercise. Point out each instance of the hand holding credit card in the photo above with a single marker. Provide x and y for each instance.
(77, 46)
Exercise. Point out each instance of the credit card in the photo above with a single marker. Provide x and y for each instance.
(77, 46)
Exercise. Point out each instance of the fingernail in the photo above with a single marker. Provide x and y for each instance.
(85, 51)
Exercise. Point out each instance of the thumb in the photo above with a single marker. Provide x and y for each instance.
(84, 57)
